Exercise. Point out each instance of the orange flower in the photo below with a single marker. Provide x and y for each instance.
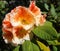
(18, 24)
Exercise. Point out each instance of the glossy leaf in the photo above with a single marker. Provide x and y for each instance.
(46, 32)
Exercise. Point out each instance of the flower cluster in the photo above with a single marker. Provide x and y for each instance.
(18, 24)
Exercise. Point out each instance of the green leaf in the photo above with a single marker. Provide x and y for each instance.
(58, 8)
(58, 47)
(47, 23)
(2, 4)
(58, 37)
(43, 46)
(54, 42)
(29, 46)
(52, 11)
(46, 6)
(58, 14)
(17, 48)
(55, 48)
(46, 32)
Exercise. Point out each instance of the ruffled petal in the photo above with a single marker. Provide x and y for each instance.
(36, 11)
(6, 22)
(7, 35)
(20, 35)
(34, 8)
(22, 17)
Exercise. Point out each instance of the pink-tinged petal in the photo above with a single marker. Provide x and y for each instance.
(42, 20)
(34, 8)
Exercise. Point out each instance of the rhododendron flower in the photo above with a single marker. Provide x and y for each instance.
(18, 24)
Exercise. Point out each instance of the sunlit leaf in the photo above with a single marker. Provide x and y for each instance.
(43, 46)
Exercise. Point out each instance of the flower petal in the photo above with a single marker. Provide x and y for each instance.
(7, 35)
(20, 35)
(17, 41)
(22, 17)
(19, 32)
(39, 18)
(6, 22)
(42, 20)
(34, 8)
